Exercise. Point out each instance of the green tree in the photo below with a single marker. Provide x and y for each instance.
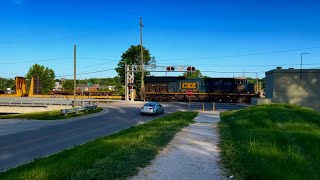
(254, 81)
(133, 57)
(46, 75)
(192, 74)
(7, 83)
(205, 77)
(68, 85)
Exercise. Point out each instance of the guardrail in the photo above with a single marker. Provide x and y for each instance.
(65, 112)
(34, 102)
(27, 102)
(24, 104)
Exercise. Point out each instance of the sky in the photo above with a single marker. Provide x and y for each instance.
(221, 38)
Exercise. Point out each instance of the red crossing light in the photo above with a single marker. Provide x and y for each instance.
(190, 68)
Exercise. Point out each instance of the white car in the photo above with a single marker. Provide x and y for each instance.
(153, 108)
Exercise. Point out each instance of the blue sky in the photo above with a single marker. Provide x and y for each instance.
(222, 38)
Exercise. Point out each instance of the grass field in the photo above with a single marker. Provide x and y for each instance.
(117, 156)
(47, 115)
(274, 141)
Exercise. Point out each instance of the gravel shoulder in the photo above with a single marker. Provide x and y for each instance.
(192, 154)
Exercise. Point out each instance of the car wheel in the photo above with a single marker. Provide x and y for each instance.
(142, 114)
(162, 111)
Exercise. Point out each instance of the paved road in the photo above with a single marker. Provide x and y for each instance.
(22, 141)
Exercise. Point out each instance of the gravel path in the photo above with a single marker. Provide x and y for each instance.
(192, 154)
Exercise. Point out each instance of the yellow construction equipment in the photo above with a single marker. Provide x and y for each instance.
(21, 88)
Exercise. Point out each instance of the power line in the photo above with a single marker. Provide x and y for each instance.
(269, 65)
(22, 62)
(102, 59)
(105, 62)
(73, 37)
(180, 59)
(56, 59)
(92, 72)
(240, 55)
(243, 65)
(82, 67)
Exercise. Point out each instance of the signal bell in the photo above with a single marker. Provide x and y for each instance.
(170, 68)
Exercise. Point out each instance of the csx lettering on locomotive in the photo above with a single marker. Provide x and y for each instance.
(189, 85)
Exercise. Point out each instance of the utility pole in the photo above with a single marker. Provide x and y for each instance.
(74, 75)
(257, 83)
(301, 64)
(142, 63)
(126, 81)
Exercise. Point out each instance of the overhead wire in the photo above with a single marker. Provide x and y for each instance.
(240, 55)
(267, 65)
(38, 60)
(82, 67)
(91, 72)
(101, 59)
(76, 36)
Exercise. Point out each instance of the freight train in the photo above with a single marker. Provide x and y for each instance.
(168, 88)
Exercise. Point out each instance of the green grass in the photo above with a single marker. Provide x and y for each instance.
(117, 156)
(274, 141)
(47, 115)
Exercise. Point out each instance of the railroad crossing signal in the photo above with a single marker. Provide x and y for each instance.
(153, 68)
(131, 69)
(189, 92)
(191, 68)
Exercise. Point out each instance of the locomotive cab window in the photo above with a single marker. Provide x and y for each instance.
(241, 81)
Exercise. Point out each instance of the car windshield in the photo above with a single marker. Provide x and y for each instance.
(149, 104)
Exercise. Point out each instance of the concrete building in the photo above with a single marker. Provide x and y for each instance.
(294, 86)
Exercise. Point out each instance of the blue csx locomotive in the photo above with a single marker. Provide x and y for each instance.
(168, 88)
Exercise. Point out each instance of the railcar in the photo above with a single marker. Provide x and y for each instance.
(93, 93)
